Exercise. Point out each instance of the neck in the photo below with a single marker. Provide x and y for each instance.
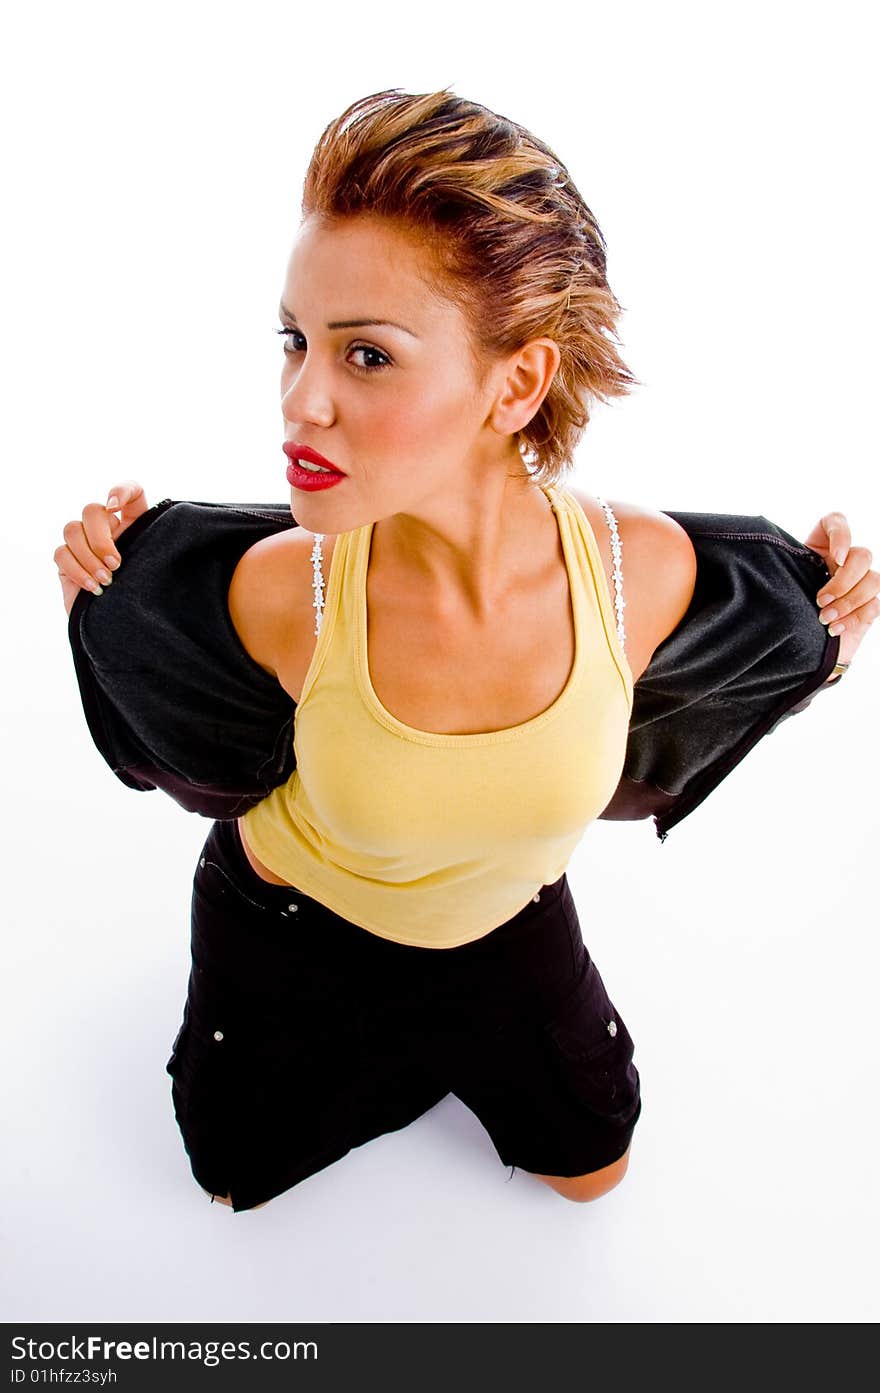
(465, 550)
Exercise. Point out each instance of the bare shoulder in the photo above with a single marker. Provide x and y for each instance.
(659, 571)
(270, 601)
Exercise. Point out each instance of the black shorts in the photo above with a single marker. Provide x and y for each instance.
(304, 1035)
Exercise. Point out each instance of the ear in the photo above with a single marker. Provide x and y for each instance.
(525, 382)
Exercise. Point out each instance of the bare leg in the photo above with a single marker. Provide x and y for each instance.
(227, 1199)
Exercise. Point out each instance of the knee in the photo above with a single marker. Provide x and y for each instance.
(220, 1199)
(581, 1188)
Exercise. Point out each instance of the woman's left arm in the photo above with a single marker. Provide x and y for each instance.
(850, 601)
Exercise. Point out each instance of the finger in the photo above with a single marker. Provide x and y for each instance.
(78, 546)
(842, 601)
(864, 616)
(854, 572)
(71, 567)
(129, 498)
(839, 536)
(98, 524)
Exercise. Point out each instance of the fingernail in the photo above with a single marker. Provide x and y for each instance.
(835, 629)
(840, 557)
(827, 618)
(821, 600)
(112, 502)
(104, 576)
(113, 562)
(95, 587)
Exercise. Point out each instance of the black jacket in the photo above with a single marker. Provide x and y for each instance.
(174, 701)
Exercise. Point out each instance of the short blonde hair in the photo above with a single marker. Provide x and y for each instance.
(520, 252)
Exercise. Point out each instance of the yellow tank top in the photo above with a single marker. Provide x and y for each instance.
(431, 839)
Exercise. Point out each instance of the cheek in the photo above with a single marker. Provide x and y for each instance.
(423, 422)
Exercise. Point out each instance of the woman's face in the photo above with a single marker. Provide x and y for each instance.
(396, 404)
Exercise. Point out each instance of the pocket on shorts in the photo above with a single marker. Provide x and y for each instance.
(226, 879)
(592, 1048)
(213, 879)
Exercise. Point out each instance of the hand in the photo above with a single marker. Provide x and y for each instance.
(89, 554)
(853, 589)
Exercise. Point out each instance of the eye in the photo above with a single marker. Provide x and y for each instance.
(370, 353)
(292, 334)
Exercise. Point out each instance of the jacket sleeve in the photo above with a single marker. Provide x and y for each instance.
(749, 652)
(171, 697)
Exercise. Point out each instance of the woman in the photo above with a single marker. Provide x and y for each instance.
(393, 922)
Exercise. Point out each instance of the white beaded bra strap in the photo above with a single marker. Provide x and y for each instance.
(318, 581)
(619, 601)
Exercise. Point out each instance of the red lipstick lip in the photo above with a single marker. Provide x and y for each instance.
(298, 452)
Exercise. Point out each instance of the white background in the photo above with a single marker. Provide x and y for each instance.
(152, 182)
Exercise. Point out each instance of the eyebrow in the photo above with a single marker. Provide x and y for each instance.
(351, 323)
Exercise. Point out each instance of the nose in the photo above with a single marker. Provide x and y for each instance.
(305, 399)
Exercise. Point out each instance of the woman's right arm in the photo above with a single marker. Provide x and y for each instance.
(88, 554)
(269, 598)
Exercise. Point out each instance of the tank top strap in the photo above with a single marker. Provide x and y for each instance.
(594, 575)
